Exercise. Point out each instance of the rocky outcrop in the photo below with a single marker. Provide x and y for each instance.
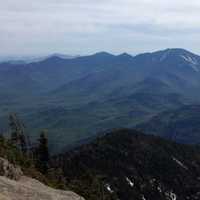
(31, 189)
(9, 170)
(15, 186)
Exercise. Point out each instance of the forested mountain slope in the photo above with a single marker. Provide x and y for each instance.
(181, 125)
(125, 164)
(97, 92)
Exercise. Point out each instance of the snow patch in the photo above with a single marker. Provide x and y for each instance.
(131, 183)
(159, 189)
(152, 181)
(179, 163)
(108, 187)
(171, 195)
(192, 61)
(143, 198)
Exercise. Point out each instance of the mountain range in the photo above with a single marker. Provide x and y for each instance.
(75, 98)
(30, 59)
(126, 164)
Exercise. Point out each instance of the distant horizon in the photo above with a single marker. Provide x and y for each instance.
(91, 53)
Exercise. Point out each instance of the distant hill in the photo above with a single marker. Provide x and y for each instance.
(125, 164)
(98, 92)
(30, 59)
(181, 125)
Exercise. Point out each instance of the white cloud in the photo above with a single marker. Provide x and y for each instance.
(82, 26)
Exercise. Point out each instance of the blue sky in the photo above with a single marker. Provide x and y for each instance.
(87, 26)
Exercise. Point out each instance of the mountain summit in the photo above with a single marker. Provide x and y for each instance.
(178, 57)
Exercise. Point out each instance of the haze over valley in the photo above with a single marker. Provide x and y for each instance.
(98, 92)
(99, 100)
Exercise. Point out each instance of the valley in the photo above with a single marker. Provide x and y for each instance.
(98, 92)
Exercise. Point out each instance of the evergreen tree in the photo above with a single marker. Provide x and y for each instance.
(18, 137)
(43, 153)
(2, 138)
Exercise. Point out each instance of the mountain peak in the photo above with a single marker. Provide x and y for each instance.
(52, 58)
(62, 56)
(178, 51)
(103, 54)
(173, 51)
(180, 55)
(125, 56)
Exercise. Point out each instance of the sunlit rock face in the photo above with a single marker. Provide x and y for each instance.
(15, 186)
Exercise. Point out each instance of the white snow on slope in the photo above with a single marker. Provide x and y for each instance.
(192, 61)
(143, 198)
(108, 187)
(179, 163)
(131, 183)
(171, 195)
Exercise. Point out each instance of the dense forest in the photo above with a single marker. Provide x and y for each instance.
(131, 165)
(120, 164)
(32, 157)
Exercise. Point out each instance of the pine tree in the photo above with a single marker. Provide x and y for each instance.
(18, 137)
(43, 153)
(2, 138)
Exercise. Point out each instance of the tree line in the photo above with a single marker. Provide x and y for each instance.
(39, 152)
(53, 169)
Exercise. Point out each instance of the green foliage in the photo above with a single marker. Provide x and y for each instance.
(42, 153)
(28, 164)
(18, 137)
(12, 153)
(94, 92)
(150, 162)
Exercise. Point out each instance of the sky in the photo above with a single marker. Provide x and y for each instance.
(75, 27)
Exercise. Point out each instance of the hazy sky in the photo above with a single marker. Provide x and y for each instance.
(87, 26)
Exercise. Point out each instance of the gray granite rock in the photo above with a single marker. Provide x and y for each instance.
(15, 186)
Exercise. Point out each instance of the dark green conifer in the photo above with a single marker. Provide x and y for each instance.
(43, 153)
(18, 136)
